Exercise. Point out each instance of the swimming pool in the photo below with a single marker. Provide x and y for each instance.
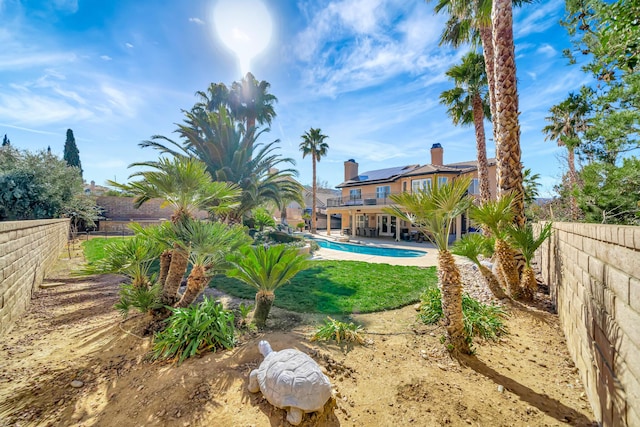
(369, 250)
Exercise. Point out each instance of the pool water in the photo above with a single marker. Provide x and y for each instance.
(369, 250)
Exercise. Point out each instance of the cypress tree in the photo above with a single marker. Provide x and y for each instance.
(5, 141)
(71, 153)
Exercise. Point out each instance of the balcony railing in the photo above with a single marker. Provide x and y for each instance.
(372, 199)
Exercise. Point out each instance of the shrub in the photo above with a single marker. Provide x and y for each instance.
(141, 298)
(193, 330)
(339, 332)
(482, 320)
(300, 226)
(282, 237)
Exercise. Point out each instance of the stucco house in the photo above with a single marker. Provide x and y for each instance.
(365, 195)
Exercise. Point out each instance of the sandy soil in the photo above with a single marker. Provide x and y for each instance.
(402, 377)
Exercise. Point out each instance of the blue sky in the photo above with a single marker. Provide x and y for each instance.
(367, 72)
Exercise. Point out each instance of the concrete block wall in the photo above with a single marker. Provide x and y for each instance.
(28, 249)
(123, 209)
(593, 271)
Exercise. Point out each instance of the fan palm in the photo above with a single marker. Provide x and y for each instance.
(313, 145)
(524, 240)
(267, 269)
(208, 245)
(472, 246)
(495, 216)
(251, 101)
(467, 103)
(433, 211)
(567, 121)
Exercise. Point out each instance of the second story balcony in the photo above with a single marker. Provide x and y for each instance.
(372, 199)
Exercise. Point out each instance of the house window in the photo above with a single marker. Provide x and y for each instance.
(474, 187)
(442, 180)
(355, 194)
(383, 192)
(418, 185)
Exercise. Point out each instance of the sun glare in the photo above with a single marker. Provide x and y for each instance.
(244, 26)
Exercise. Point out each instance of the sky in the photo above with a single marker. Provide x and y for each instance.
(368, 73)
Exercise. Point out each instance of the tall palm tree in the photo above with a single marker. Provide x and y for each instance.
(267, 269)
(496, 216)
(468, 103)
(433, 212)
(251, 101)
(509, 166)
(184, 184)
(313, 145)
(567, 121)
(527, 243)
(208, 245)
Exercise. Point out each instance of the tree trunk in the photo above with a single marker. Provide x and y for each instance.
(481, 148)
(452, 303)
(572, 182)
(528, 284)
(264, 300)
(177, 268)
(486, 39)
(508, 267)
(313, 202)
(492, 282)
(196, 283)
(509, 167)
(165, 262)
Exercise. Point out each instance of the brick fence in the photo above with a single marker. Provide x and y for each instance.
(593, 271)
(27, 250)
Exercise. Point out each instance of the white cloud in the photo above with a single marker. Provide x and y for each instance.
(70, 6)
(547, 50)
(106, 57)
(536, 18)
(120, 101)
(196, 21)
(36, 110)
(129, 45)
(22, 60)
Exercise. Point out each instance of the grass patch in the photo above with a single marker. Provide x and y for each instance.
(344, 287)
(94, 248)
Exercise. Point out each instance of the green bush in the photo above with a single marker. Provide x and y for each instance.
(195, 329)
(339, 332)
(141, 298)
(482, 320)
(282, 237)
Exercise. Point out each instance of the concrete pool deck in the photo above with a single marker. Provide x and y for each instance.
(427, 260)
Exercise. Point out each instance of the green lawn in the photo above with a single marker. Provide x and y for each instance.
(344, 287)
(329, 287)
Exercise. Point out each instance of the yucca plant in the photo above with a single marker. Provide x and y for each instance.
(143, 299)
(193, 330)
(473, 245)
(497, 216)
(433, 211)
(339, 332)
(132, 257)
(267, 269)
(480, 320)
(527, 243)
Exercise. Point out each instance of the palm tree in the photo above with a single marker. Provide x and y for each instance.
(495, 216)
(530, 184)
(433, 212)
(472, 246)
(208, 245)
(267, 269)
(468, 103)
(251, 101)
(567, 121)
(525, 241)
(184, 184)
(507, 125)
(313, 145)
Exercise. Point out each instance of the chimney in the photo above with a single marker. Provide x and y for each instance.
(437, 154)
(350, 169)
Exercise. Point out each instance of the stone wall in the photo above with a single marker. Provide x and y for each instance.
(593, 271)
(28, 249)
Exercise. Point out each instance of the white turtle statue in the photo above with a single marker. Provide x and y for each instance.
(290, 380)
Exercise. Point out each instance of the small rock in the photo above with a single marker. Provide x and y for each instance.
(417, 306)
(76, 383)
(501, 389)
(444, 368)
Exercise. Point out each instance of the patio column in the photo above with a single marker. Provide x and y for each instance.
(458, 226)
(328, 223)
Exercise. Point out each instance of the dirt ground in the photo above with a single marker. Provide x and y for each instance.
(72, 361)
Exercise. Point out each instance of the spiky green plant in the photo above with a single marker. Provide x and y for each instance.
(143, 299)
(524, 239)
(263, 219)
(194, 330)
(473, 245)
(339, 332)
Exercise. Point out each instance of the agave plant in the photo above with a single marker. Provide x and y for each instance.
(496, 216)
(524, 240)
(267, 269)
(472, 246)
